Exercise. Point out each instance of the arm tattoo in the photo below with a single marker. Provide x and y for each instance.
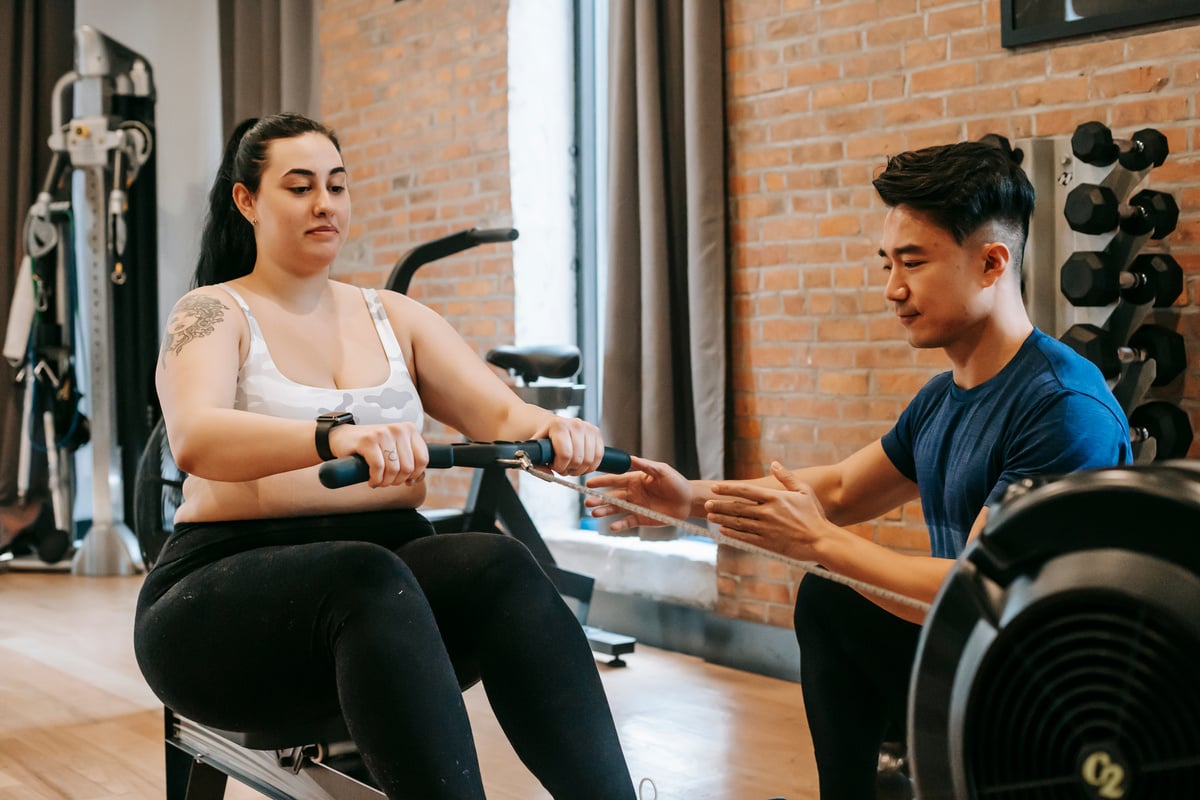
(194, 318)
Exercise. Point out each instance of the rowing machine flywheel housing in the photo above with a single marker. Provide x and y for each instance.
(1061, 658)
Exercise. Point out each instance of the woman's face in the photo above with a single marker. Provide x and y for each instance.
(302, 210)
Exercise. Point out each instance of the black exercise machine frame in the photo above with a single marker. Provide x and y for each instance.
(492, 498)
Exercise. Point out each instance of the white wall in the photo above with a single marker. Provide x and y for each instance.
(180, 40)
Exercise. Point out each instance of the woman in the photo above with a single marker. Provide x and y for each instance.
(277, 600)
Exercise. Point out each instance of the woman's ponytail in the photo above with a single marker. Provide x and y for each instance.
(227, 249)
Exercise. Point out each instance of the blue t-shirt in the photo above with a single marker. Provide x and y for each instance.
(1047, 412)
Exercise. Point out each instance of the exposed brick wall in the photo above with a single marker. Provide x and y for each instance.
(417, 92)
(818, 94)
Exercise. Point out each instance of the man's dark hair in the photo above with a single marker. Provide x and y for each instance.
(960, 187)
(227, 248)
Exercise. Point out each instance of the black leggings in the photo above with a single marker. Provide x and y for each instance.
(855, 661)
(254, 625)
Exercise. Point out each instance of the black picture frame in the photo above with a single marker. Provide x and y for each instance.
(1031, 21)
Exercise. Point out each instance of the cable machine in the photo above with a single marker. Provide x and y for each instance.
(91, 259)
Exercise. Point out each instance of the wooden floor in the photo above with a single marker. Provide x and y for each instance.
(77, 721)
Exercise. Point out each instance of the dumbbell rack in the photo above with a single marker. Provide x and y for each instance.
(1055, 170)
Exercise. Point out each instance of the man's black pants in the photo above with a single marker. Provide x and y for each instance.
(855, 661)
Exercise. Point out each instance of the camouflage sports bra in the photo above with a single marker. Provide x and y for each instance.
(263, 389)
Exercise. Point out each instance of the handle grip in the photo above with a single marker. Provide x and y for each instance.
(353, 469)
(491, 235)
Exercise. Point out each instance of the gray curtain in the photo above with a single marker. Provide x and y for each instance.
(269, 59)
(37, 46)
(665, 364)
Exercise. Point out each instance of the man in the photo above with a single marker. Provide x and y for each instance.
(1016, 403)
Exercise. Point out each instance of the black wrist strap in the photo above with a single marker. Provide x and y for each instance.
(326, 423)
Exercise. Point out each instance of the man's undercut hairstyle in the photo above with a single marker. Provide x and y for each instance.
(227, 248)
(962, 187)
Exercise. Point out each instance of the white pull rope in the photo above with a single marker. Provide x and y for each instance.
(808, 567)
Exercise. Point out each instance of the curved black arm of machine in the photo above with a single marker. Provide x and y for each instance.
(422, 254)
(353, 469)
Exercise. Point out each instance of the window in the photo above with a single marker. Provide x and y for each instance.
(591, 170)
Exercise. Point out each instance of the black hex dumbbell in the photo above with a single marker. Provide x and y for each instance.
(1088, 279)
(1167, 424)
(1155, 342)
(1092, 208)
(1093, 143)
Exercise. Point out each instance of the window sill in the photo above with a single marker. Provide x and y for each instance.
(679, 571)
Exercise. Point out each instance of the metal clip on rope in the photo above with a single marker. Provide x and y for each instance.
(529, 455)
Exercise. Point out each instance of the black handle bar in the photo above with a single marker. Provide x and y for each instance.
(422, 254)
(353, 469)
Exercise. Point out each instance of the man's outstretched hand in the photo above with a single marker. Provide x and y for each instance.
(651, 484)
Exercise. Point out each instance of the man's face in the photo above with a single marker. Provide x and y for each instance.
(935, 284)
